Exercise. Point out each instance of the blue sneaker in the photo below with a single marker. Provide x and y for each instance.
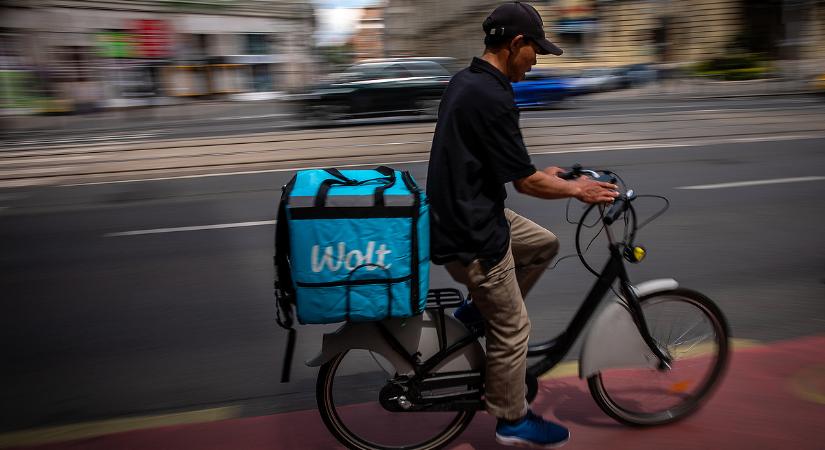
(470, 316)
(531, 431)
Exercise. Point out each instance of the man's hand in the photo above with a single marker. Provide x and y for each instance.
(589, 190)
(592, 191)
(547, 184)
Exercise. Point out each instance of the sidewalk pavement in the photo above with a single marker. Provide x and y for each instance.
(198, 111)
(773, 396)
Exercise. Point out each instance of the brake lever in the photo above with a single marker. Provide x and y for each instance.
(577, 171)
(574, 172)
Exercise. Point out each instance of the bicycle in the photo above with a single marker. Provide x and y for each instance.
(644, 366)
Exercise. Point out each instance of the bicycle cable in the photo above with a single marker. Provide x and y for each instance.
(658, 213)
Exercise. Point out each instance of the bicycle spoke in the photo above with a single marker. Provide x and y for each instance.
(692, 346)
(353, 411)
(389, 374)
(687, 331)
(691, 336)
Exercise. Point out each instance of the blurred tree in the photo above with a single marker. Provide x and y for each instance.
(338, 55)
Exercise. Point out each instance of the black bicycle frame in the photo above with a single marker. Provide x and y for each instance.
(553, 350)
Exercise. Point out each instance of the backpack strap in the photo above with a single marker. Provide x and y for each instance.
(284, 287)
(323, 189)
(378, 196)
(337, 174)
(386, 171)
(342, 180)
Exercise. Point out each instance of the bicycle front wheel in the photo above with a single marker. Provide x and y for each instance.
(692, 330)
(348, 392)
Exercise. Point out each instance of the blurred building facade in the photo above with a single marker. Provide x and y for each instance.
(611, 33)
(368, 39)
(71, 55)
(615, 32)
(437, 27)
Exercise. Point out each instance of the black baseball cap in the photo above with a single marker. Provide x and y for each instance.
(512, 19)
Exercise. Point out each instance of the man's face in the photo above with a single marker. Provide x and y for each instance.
(522, 58)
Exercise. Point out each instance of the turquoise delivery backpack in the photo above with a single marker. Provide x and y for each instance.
(351, 245)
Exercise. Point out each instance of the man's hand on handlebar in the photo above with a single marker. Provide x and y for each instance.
(592, 191)
(588, 189)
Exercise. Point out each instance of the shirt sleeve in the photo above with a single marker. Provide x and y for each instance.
(505, 148)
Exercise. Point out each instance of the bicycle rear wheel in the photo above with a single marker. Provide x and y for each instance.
(691, 329)
(348, 399)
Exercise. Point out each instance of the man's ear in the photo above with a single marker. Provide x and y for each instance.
(516, 43)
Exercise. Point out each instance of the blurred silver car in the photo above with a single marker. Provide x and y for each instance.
(595, 80)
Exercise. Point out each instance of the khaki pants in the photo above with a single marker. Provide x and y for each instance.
(498, 293)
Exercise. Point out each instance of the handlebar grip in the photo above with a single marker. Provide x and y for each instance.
(574, 172)
(619, 207)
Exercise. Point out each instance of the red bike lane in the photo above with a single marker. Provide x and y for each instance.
(772, 397)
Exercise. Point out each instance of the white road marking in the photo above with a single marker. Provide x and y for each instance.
(772, 138)
(605, 148)
(248, 172)
(250, 117)
(379, 144)
(638, 146)
(701, 111)
(70, 140)
(752, 183)
(218, 226)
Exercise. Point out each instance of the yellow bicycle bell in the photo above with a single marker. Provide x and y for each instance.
(635, 254)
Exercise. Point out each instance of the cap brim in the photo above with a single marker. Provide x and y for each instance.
(548, 48)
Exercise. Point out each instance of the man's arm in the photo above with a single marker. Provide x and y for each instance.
(547, 184)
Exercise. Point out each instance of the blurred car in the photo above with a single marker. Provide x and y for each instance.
(379, 88)
(633, 75)
(622, 74)
(595, 80)
(541, 88)
(640, 74)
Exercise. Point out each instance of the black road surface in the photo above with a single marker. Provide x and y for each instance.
(99, 322)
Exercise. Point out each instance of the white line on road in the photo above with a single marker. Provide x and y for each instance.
(752, 183)
(772, 138)
(220, 226)
(263, 116)
(82, 139)
(615, 147)
(192, 228)
(690, 111)
(629, 146)
(248, 172)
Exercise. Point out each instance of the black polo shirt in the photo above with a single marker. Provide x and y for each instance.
(477, 149)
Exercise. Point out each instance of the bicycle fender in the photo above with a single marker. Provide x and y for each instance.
(613, 339)
(417, 334)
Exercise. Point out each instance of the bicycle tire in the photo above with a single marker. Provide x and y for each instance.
(349, 438)
(608, 402)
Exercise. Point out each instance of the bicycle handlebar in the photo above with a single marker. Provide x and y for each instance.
(619, 207)
(574, 172)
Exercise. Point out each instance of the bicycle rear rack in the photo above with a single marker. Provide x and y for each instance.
(439, 300)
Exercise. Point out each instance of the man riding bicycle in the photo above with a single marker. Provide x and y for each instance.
(499, 255)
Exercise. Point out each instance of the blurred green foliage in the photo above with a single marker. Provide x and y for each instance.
(338, 55)
(735, 67)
